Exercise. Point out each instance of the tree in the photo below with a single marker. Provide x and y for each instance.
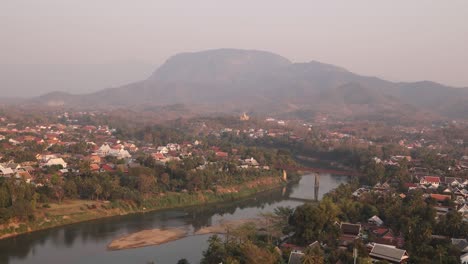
(216, 251)
(70, 189)
(313, 255)
(98, 191)
(315, 222)
(183, 261)
(254, 254)
(245, 232)
(277, 223)
(5, 200)
(440, 251)
(59, 193)
(146, 183)
(165, 179)
(34, 199)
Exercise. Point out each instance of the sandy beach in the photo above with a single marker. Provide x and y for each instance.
(147, 238)
(154, 237)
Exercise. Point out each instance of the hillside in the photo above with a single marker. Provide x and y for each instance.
(247, 80)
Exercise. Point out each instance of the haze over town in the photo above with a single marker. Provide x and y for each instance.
(85, 46)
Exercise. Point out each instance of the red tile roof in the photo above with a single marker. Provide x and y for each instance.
(432, 179)
(440, 197)
(221, 154)
(380, 231)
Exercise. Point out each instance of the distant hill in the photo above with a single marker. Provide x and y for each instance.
(28, 80)
(248, 80)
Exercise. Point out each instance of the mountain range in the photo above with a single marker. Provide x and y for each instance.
(226, 80)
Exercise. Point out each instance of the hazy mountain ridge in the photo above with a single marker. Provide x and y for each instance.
(265, 82)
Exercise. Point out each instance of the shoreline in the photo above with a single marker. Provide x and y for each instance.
(242, 191)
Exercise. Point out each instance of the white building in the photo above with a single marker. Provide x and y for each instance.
(56, 162)
(6, 171)
(464, 259)
(103, 150)
(163, 150)
(119, 153)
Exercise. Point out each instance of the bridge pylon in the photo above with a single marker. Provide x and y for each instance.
(316, 185)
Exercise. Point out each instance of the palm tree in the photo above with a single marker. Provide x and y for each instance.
(313, 255)
(441, 251)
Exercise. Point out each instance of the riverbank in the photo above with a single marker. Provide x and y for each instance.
(75, 211)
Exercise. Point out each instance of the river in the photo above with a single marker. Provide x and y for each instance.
(86, 242)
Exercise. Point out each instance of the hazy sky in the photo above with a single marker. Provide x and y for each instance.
(399, 40)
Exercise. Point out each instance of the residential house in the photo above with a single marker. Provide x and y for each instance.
(6, 171)
(95, 159)
(460, 200)
(464, 259)
(109, 167)
(56, 162)
(461, 244)
(453, 182)
(120, 153)
(386, 236)
(441, 210)
(295, 257)
(463, 210)
(388, 253)
(162, 149)
(221, 154)
(360, 191)
(440, 197)
(430, 180)
(447, 191)
(158, 156)
(375, 220)
(251, 162)
(103, 150)
(94, 167)
(381, 186)
(349, 233)
(460, 193)
(25, 176)
(411, 186)
(173, 147)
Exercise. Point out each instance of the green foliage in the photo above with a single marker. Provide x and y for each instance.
(316, 221)
(216, 251)
(241, 246)
(313, 255)
(183, 261)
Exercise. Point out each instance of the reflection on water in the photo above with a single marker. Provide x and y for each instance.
(86, 242)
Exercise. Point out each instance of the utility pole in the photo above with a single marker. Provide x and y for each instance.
(355, 254)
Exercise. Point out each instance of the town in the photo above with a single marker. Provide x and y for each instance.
(404, 170)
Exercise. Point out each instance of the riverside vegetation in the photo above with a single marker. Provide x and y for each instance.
(86, 195)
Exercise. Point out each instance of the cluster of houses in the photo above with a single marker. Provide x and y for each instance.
(103, 151)
(48, 141)
(385, 246)
(175, 151)
(254, 133)
(449, 194)
(17, 171)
